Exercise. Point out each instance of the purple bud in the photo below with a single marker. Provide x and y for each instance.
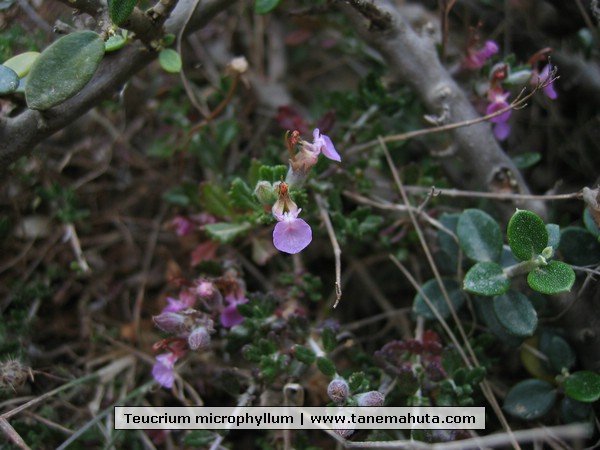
(199, 339)
(338, 390)
(171, 322)
(372, 398)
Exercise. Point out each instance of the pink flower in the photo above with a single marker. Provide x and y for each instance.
(183, 226)
(323, 144)
(475, 60)
(230, 316)
(291, 235)
(163, 370)
(541, 77)
(497, 102)
(186, 300)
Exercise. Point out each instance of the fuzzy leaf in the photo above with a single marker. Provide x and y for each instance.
(115, 42)
(527, 235)
(304, 354)
(9, 80)
(583, 386)
(326, 366)
(170, 60)
(215, 200)
(590, 225)
(553, 235)
(226, 232)
(516, 314)
(120, 10)
(431, 289)
(530, 399)
(553, 278)
(486, 278)
(21, 63)
(479, 235)
(241, 195)
(329, 339)
(63, 69)
(525, 160)
(558, 351)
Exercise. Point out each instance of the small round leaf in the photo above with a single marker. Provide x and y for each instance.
(516, 313)
(486, 278)
(479, 235)
(590, 224)
(431, 289)
(572, 411)
(63, 69)
(530, 399)
(527, 235)
(553, 278)
(115, 42)
(558, 351)
(170, 60)
(9, 80)
(579, 247)
(525, 160)
(21, 63)
(120, 10)
(583, 386)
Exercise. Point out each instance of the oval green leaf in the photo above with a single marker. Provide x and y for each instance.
(431, 289)
(226, 232)
(170, 60)
(583, 386)
(530, 399)
(527, 235)
(559, 352)
(9, 80)
(572, 411)
(516, 314)
(114, 43)
(265, 6)
(486, 278)
(590, 225)
(553, 278)
(579, 247)
(63, 69)
(120, 10)
(21, 63)
(525, 160)
(479, 235)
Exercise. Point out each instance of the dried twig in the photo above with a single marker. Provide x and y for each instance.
(337, 252)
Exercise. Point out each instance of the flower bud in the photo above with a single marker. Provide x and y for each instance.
(171, 322)
(265, 192)
(372, 398)
(199, 339)
(338, 390)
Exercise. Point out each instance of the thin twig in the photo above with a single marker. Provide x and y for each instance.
(337, 252)
(518, 103)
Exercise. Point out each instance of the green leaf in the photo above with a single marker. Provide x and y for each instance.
(583, 386)
(356, 380)
(516, 314)
(115, 42)
(63, 69)
(304, 354)
(120, 10)
(215, 200)
(226, 232)
(329, 339)
(486, 278)
(241, 195)
(558, 351)
(21, 63)
(527, 235)
(553, 278)
(525, 160)
(431, 289)
(448, 244)
(170, 60)
(530, 399)
(265, 6)
(484, 307)
(9, 80)
(479, 235)
(553, 235)
(589, 223)
(572, 411)
(326, 366)
(579, 247)
(272, 173)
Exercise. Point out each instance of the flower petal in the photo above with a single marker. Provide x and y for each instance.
(329, 150)
(292, 236)
(163, 370)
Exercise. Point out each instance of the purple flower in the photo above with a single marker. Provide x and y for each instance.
(199, 338)
(171, 321)
(230, 316)
(476, 60)
(291, 235)
(541, 77)
(186, 300)
(498, 102)
(323, 144)
(183, 226)
(163, 371)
